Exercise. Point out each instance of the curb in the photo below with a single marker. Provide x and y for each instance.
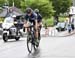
(65, 35)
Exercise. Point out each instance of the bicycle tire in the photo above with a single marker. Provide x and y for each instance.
(29, 41)
(39, 38)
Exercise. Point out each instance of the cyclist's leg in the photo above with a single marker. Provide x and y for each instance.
(39, 32)
(39, 29)
(36, 33)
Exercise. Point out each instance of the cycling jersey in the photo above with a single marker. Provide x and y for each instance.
(39, 18)
(31, 18)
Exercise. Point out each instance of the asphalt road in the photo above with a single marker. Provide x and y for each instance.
(50, 47)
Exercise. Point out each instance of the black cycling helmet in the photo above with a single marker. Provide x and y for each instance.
(28, 10)
(36, 10)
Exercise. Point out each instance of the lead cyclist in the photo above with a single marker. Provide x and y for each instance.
(31, 17)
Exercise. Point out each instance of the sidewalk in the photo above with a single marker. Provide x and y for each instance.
(54, 33)
(64, 34)
(68, 34)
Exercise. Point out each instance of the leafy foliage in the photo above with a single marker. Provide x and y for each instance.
(47, 7)
(44, 6)
(61, 6)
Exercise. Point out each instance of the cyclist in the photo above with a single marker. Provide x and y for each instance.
(31, 17)
(39, 19)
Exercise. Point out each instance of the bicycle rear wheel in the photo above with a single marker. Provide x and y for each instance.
(39, 38)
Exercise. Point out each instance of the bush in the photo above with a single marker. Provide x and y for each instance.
(1, 20)
(48, 21)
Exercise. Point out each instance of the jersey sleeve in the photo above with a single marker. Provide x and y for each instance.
(40, 17)
(35, 16)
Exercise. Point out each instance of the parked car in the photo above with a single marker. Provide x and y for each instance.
(61, 26)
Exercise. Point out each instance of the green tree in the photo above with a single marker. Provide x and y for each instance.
(16, 3)
(23, 5)
(2, 2)
(44, 6)
(61, 6)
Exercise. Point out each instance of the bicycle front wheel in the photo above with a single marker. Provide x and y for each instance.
(29, 44)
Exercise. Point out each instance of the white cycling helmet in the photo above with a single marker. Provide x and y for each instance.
(36, 10)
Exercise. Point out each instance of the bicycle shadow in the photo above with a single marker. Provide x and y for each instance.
(35, 54)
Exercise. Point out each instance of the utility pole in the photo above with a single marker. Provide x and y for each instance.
(13, 3)
(73, 1)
